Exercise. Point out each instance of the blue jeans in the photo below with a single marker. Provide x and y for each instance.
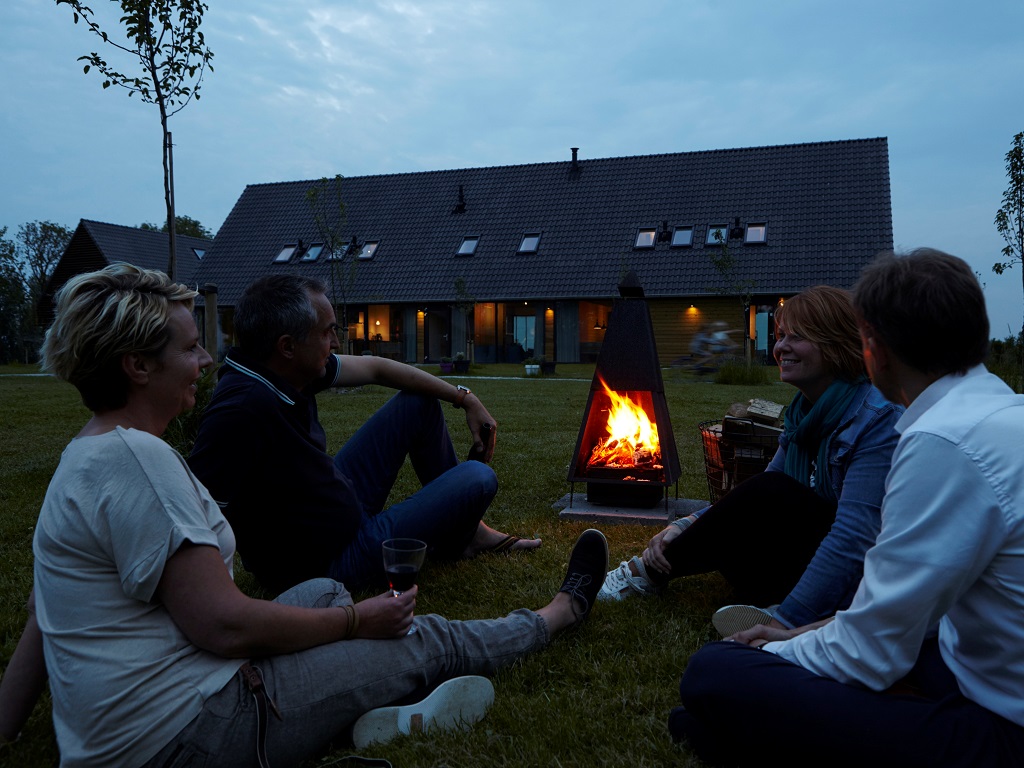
(742, 703)
(323, 690)
(444, 513)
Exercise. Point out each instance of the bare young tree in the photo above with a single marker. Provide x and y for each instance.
(164, 39)
(327, 206)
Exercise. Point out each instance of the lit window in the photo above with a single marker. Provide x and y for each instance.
(718, 234)
(645, 238)
(468, 247)
(682, 237)
(313, 252)
(285, 255)
(369, 248)
(756, 233)
(529, 243)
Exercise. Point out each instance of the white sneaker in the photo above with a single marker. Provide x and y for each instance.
(455, 704)
(622, 583)
(737, 618)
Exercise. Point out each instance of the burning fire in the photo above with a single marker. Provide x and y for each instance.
(632, 439)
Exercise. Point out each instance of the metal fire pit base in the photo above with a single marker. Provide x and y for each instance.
(585, 511)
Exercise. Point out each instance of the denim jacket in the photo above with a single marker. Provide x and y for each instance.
(858, 462)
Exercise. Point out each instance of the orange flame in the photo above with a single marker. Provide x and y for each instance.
(632, 439)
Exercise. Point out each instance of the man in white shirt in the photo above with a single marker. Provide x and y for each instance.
(926, 667)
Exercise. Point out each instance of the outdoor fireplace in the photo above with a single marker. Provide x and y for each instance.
(626, 452)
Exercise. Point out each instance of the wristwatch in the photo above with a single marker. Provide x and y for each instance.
(460, 395)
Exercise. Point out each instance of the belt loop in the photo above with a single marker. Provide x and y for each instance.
(253, 678)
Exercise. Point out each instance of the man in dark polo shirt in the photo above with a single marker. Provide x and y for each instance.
(297, 511)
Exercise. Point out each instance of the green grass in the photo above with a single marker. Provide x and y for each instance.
(599, 696)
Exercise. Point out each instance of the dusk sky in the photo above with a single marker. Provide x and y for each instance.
(303, 90)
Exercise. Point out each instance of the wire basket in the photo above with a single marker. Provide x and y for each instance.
(734, 450)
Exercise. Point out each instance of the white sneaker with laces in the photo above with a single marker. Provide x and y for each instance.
(621, 582)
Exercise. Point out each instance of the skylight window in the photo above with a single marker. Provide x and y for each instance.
(285, 255)
(199, 252)
(529, 243)
(313, 252)
(756, 233)
(468, 247)
(682, 237)
(718, 234)
(645, 238)
(369, 248)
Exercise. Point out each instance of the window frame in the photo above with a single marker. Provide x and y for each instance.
(373, 245)
(763, 226)
(316, 249)
(475, 239)
(650, 233)
(286, 254)
(688, 228)
(709, 239)
(532, 235)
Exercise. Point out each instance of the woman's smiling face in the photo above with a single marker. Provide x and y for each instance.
(801, 364)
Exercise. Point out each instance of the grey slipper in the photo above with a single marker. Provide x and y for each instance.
(455, 704)
(736, 618)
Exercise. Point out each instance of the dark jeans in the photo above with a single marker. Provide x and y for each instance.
(743, 704)
(445, 512)
(760, 536)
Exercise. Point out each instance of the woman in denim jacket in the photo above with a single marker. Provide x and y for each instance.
(793, 537)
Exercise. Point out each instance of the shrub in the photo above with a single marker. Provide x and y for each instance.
(181, 433)
(1005, 361)
(746, 373)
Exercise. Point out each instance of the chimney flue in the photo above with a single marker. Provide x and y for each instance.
(574, 167)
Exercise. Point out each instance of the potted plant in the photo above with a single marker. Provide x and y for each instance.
(446, 365)
(461, 363)
(532, 365)
(547, 367)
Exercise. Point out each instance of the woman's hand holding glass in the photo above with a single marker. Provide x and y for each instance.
(387, 615)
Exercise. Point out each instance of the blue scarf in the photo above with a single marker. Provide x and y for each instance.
(809, 428)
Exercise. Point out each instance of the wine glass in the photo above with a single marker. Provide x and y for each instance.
(403, 559)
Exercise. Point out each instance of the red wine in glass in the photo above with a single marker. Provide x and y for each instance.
(401, 576)
(403, 559)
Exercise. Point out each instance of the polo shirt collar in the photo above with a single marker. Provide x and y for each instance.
(237, 360)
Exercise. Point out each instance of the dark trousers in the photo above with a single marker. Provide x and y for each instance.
(741, 705)
(760, 536)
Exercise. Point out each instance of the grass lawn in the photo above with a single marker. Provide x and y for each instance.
(598, 696)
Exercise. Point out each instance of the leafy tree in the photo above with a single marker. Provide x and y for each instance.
(13, 300)
(1010, 217)
(163, 38)
(183, 225)
(40, 244)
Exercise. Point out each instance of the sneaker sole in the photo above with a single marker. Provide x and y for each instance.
(737, 618)
(454, 705)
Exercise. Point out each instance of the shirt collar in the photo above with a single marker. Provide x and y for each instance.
(240, 362)
(934, 392)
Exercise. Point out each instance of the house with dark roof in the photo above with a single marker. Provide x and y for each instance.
(95, 245)
(525, 260)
